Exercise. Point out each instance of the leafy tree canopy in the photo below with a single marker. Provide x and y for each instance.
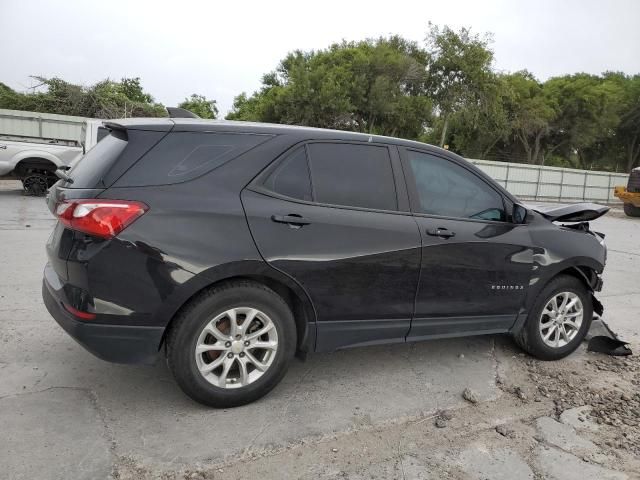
(201, 106)
(373, 86)
(105, 99)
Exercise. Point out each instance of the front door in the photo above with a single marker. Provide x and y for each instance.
(476, 265)
(327, 215)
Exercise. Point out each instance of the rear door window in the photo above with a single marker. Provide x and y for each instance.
(291, 177)
(353, 175)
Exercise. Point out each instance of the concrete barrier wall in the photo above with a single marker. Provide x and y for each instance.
(535, 182)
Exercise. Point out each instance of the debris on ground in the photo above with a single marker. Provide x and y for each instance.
(604, 340)
(505, 431)
(470, 396)
(441, 422)
(614, 404)
(519, 392)
(442, 418)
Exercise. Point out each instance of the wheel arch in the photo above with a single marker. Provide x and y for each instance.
(38, 162)
(295, 297)
(586, 271)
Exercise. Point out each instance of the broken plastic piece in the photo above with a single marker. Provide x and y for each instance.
(608, 343)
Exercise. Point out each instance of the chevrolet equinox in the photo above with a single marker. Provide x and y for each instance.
(228, 247)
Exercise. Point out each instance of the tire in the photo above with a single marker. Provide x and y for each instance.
(37, 184)
(530, 337)
(240, 385)
(631, 210)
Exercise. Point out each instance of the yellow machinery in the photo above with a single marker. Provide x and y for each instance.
(630, 195)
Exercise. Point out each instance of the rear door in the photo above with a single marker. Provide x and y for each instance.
(332, 216)
(476, 264)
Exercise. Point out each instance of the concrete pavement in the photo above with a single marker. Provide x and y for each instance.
(66, 414)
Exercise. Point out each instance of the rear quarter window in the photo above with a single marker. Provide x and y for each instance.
(111, 157)
(184, 156)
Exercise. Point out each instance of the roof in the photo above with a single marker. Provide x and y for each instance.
(203, 125)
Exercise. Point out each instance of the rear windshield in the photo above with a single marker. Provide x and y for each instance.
(87, 170)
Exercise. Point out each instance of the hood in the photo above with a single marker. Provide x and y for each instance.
(578, 212)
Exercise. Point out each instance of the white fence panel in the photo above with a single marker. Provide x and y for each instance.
(536, 182)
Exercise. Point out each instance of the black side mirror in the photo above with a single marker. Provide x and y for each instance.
(519, 213)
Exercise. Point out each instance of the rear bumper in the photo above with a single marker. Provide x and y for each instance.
(113, 343)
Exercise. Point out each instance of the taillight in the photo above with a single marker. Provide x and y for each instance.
(79, 313)
(102, 218)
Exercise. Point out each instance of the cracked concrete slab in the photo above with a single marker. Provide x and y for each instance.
(578, 418)
(480, 463)
(53, 434)
(558, 465)
(564, 437)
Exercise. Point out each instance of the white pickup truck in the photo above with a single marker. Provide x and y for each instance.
(34, 145)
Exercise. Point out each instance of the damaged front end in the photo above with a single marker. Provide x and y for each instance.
(576, 217)
(576, 212)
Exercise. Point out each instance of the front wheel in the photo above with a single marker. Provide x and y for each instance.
(559, 320)
(232, 344)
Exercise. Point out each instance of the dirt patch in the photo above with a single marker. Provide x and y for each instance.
(609, 385)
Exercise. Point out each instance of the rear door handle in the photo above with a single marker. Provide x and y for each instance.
(440, 232)
(292, 219)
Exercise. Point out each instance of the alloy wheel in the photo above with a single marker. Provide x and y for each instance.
(237, 347)
(561, 319)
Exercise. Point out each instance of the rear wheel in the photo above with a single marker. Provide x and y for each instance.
(37, 183)
(232, 344)
(558, 321)
(631, 210)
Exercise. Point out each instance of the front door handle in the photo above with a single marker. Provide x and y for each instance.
(292, 219)
(440, 232)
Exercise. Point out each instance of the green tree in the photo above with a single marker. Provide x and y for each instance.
(459, 73)
(132, 89)
(530, 112)
(373, 86)
(587, 108)
(106, 99)
(627, 132)
(201, 106)
(476, 130)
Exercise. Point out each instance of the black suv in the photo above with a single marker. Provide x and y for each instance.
(229, 247)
